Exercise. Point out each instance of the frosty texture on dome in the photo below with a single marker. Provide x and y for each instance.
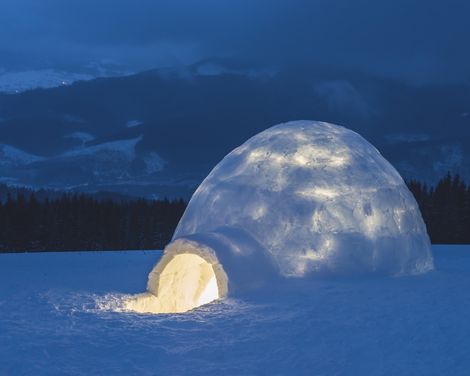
(318, 198)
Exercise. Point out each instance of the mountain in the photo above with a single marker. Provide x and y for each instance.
(16, 82)
(158, 133)
(13, 82)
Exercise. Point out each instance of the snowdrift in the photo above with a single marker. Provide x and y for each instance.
(300, 199)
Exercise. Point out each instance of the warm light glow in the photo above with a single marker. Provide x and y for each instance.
(319, 193)
(308, 155)
(187, 282)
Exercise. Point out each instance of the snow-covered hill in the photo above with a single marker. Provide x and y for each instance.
(191, 120)
(116, 161)
(16, 82)
(14, 157)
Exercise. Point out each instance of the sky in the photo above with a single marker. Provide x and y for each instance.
(418, 41)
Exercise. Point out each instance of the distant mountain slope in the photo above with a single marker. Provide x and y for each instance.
(160, 132)
(18, 81)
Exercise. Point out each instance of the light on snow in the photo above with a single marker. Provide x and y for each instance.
(186, 282)
(300, 199)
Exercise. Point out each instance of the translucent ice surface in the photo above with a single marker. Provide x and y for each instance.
(317, 198)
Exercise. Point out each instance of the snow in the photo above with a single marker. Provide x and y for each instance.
(153, 162)
(59, 314)
(106, 158)
(12, 157)
(125, 148)
(16, 82)
(119, 152)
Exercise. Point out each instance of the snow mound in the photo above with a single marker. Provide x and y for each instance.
(300, 199)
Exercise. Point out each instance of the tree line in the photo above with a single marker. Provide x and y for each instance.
(445, 209)
(35, 221)
(75, 222)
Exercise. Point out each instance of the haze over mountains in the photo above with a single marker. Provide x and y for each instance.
(158, 133)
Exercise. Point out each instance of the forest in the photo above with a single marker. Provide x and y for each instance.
(445, 208)
(33, 221)
(75, 222)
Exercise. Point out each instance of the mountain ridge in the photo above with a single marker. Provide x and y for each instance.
(183, 122)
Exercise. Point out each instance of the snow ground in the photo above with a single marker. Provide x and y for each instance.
(58, 316)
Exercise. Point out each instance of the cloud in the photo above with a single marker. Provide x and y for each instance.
(397, 38)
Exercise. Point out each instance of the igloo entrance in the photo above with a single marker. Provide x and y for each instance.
(188, 281)
(187, 277)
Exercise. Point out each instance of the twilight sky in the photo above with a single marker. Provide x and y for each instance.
(423, 41)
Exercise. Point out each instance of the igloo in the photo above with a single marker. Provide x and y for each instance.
(300, 199)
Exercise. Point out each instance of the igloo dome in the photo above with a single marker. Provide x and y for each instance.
(299, 199)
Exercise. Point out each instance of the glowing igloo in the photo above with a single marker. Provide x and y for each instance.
(299, 199)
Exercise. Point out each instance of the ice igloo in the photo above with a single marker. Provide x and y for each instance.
(300, 199)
